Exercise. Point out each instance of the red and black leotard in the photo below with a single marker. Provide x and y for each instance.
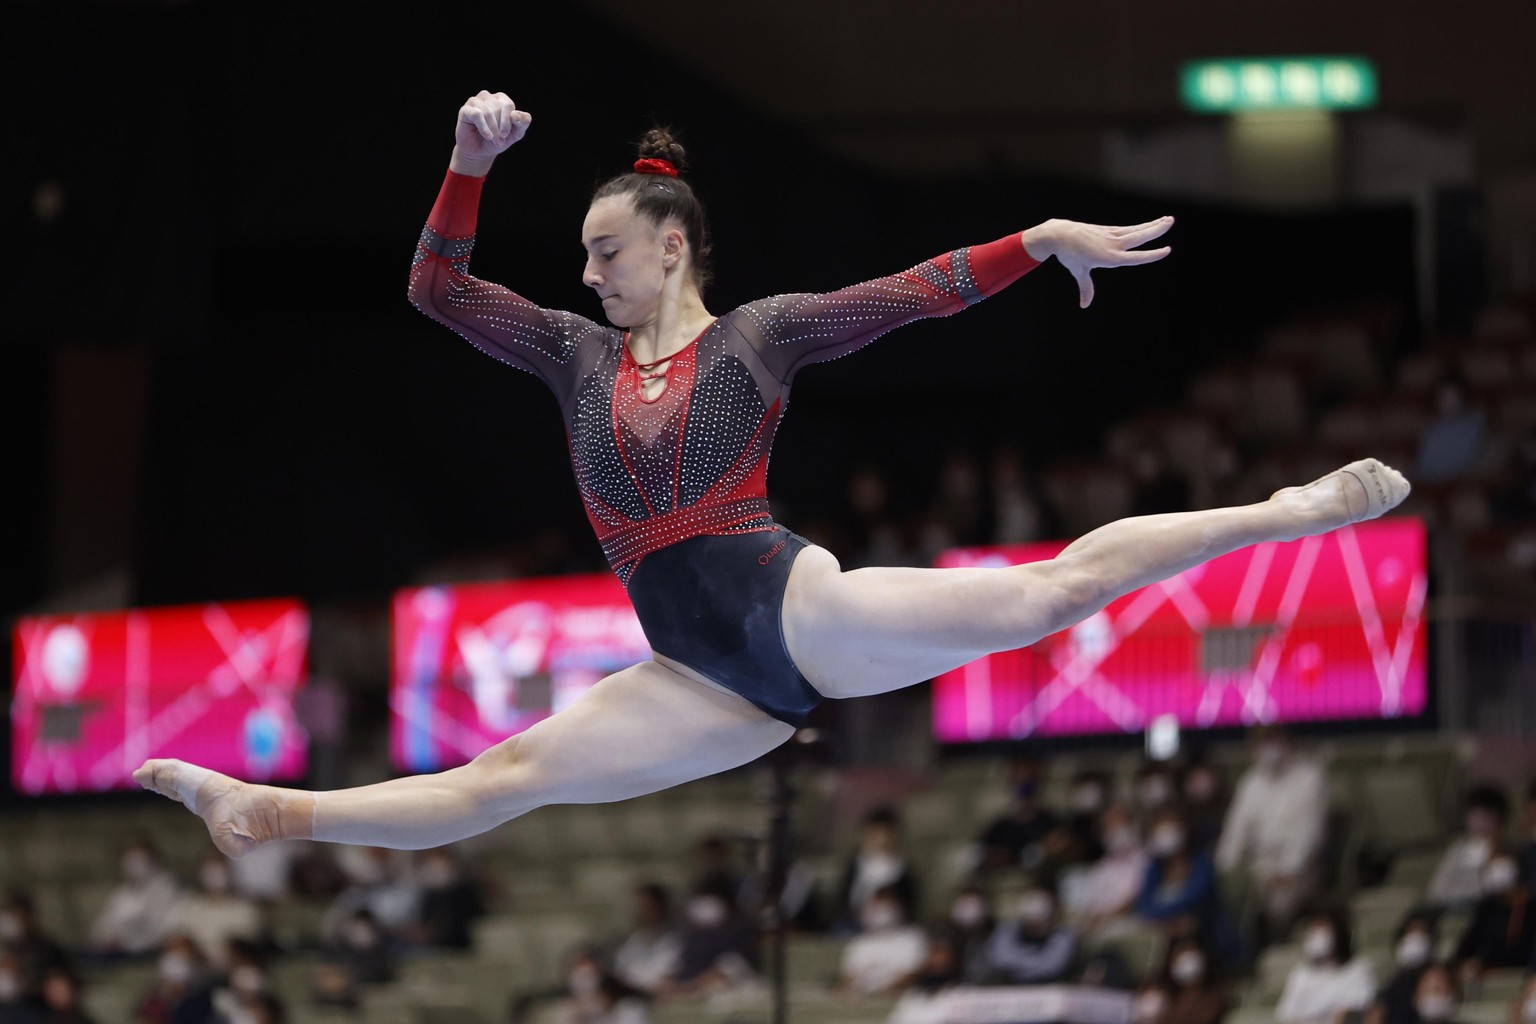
(676, 487)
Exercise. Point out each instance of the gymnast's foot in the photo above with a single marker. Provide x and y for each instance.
(1359, 491)
(240, 816)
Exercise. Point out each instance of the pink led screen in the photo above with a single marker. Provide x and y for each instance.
(1324, 628)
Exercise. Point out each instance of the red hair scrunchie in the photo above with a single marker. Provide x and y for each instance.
(649, 165)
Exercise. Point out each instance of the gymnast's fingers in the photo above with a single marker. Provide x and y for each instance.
(1084, 287)
(1137, 257)
(1134, 236)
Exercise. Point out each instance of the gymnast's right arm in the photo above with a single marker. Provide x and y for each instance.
(496, 320)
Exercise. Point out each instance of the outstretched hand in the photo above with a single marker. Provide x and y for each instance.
(488, 124)
(1083, 248)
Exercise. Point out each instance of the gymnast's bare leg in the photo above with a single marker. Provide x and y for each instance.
(871, 630)
(640, 730)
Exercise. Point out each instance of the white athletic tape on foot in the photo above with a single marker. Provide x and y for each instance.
(187, 780)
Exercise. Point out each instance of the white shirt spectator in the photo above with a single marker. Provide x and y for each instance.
(647, 958)
(1105, 888)
(138, 914)
(1316, 994)
(1275, 824)
(1458, 878)
(877, 961)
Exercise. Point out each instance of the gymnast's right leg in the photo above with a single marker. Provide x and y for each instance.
(643, 729)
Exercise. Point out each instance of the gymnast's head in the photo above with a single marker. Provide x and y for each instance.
(644, 234)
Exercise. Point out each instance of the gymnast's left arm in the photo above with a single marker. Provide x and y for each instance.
(811, 328)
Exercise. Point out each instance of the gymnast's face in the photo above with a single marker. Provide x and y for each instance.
(629, 259)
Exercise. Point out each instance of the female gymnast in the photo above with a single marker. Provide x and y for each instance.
(670, 414)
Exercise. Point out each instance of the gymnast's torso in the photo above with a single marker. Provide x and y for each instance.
(662, 465)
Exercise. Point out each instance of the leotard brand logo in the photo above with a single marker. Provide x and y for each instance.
(765, 559)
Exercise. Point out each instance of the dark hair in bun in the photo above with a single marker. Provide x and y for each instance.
(661, 197)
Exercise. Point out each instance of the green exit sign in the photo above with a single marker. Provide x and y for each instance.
(1278, 83)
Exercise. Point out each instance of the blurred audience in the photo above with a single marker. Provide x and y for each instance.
(16, 1003)
(364, 950)
(1035, 947)
(1455, 439)
(1197, 993)
(378, 883)
(922, 1001)
(1097, 897)
(1436, 997)
(215, 914)
(1087, 794)
(1017, 839)
(649, 953)
(593, 996)
(1180, 893)
(61, 998)
(1523, 1009)
(887, 953)
(968, 930)
(139, 912)
(23, 937)
(1331, 982)
(1274, 829)
(1156, 787)
(718, 952)
(877, 864)
(181, 993)
(1412, 951)
(1205, 804)
(1502, 932)
(1458, 877)
(451, 901)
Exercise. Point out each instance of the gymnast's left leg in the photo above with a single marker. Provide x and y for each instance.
(642, 729)
(872, 630)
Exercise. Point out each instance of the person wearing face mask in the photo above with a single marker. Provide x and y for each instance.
(1087, 796)
(877, 864)
(214, 914)
(1017, 838)
(181, 993)
(1034, 948)
(379, 883)
(1179, 890)
(887, 953)
(968, 928)
(239, 995)
(1156, 786)
(20, 934)
(594, 996)
(1096, 897)
(1198, 994)
(1413, 950)
(139, 912)
(16, 1003)
(61, 998)
(1330, 982)
(719, 950)
(1502, 932)
(1152, 1001)
(922, 1001)
(451, 901)
(1205, 804)
(364, 951)
(649, 952)
(1436, 998)
(1274, 829)
(1457, 881)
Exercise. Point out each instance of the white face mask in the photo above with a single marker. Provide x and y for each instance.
(1500, 876)
(176, 968)
(10, 926)
(1413, 950)
(584, 980)
(1318, 945)
(1120, 839)
(1149, 1007)
(878, 915)
(1166, 841)
(706, 912)
(10, 986)
(968, 911)
(1476, 852)
(247, 980)
(1155, 790)
(1434, 1006)
(137, 867)
(1035, 908)
(1087, 799)
(1187, 968)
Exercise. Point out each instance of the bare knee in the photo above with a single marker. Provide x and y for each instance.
(502, 780)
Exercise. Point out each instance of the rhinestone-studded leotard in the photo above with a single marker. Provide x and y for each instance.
(693, 462)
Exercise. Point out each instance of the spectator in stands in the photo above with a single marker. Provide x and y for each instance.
(1035, 947)
(970, 926)
(1179, 891)
(22, 936)
(1157, 486)
(181, 993)
(1436, 997)
(16, 1004)
(1197, 992)
(314, 875)
(1274, 829)
(1205, 804)
(237, 993)
(265, 875)
(1096, 898)
(260, 1008)
(922, 1001)
(451, 901)
(1017, 517)
(718, 951)
(877, 864)
(648, 955)
(1512, 501)
(887, 953)
(1413, 950)
(214, 915)
(1156, 787)
(1088, 795)
(139, 911)
(365, 950)
(376, 883)
(1455, 439)
(61, 998)
(1457, 881)
(594, 996)
(716, 869)
(1502, 932)
(1017, 838)
(1330, 983)
(1523, 1009)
